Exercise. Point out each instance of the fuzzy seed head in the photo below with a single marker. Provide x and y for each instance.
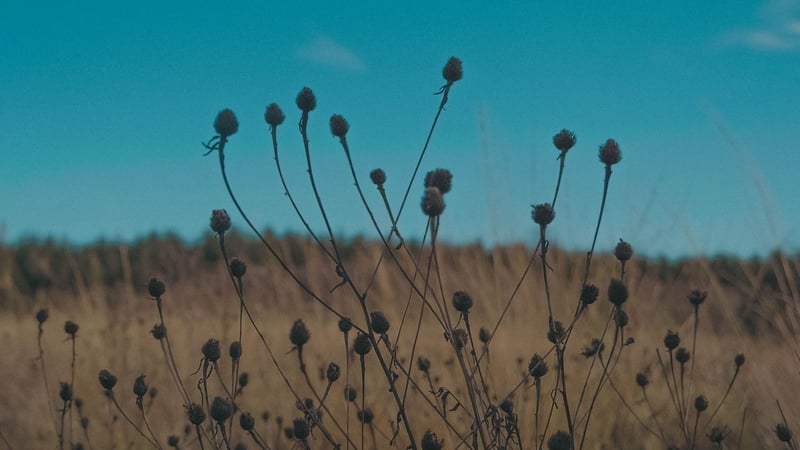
(235, 350)
(71, 328)
(671, 340)
(697, 297)
(738, 360)
(561, 440)
(226, 124)
(306, 100)
(42, 315)
(211, 350)
(107, 380)
(300, 429)
(196, 414)
(361, 344)
(65, 392)
(484, 335)
(423, 364)
(379, 322)
(440, 178)
(220, 221)
(453, 70)
(246, 421)
(783, 432)
(238, 268)
(345, 325)
(564, 140)
(543, 214)
(221, 409)
(537, 368)
(462, 302)
(156, 288)
(339, 126)
(299, 334)
(333, 372)
(609, 153)
(623, 251)
(433, 202)
(274, 116)
(159, 331)
(589, 294)
(378, 177)
(617, 292)
(621, 318)
(642, 380)
(139, 386)
(700, 403)
(431, 442)
(682, 355)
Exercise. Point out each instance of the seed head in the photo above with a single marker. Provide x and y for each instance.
(621, 318)
(107, 380)
(274, 116)
(697, 297)
(453, 70)
(42, 315)
(71, 328)
(623, 251)
(440, 178)
(589, 294)
(211, 350)
(361, 344)
(543, 214)
(682, 355)
(378, 177)
(783, 432)
(738, 361)
(300, 429)
(159, 331)
(246, 421)
(642, 380)
(537, 368)
(156, 288)
(235, 350)
(350, 393)
(557, 333)
(366, 416)
(484, 335)
(564, 140)
(339, 126)
(345, 325)
(609, 153)
(423, 364)
(220, 221)
(671, 340)
(718, 434)
(333, 372)
(460, 337)
(299, 334)
(594, 348)
(617, 292)
(226, 124)
(196, 414)
(431, 442)
(561, 440)
(379, 322)
(700, 403)
(221, 409)
(306, 100)
(433, 202)
(65, 392)
(244, 379)
(172, 441)
(462, 301)
(139, 386)
(238, 268)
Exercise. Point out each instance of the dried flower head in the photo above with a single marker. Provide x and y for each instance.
(274, 115)
(306, 100)
(244, 379)
(235, 350)
(783, 432)
(589, 294)
(156, 288)
(211, 350)
(440, 178)
(617, 292)
(300, 429)
(642, 380)
(453, 70)
(718, 434)
(350, 393)
(537, 368)
(196, 414)
(299, 334)
(623, 251)
(700, 403)
(345, 325)
(246, 421)
(460, 337)
(238, 268)
(507, 406)
(65, 392)
(361, 344)
(366, 416)
(423, 364)
(556, 333)
(220, 221)
(484, 335)
(738, 360)
(333, 372)
(610, 153)
(378, 177)
(226, 124)
(564, 140)
(697, 297)
(595, 347)
(42, 315)
(433, 202)
(71, 328)
(107, 380)
(462, 302)
(621, 318)
(682, 355)
(560, 440)
(543, 214)
(173, 441)
(221, 409)
(672, 340)
(139, 386)
(339, 126)
(379, 322)
(431, 442)
(159, 331)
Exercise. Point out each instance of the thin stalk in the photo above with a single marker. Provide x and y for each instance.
(52, 407)
(128, 419)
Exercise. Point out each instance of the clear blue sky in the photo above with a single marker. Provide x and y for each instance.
(104, 106)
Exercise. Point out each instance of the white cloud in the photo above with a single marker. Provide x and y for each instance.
(777, 28)
(327, 52)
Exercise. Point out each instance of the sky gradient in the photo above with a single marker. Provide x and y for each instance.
(104, 107)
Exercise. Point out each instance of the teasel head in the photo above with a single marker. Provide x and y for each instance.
(140, 387)
(642, 380)
(226, 124)
(617, 292)
(440, 178)
(462, 302)
(738, 360)
(274, 115)
(671, 340)
(333, 372)
(345, 325)
(453, 70)
(221, 409)
(300, 429)
(460, 338)
(621, 318)
(238, 268)
(196, 414)
(623, 251)
(682, 355)
(589, 294)
(697, 297)
(299, 334)
(366, 416)
(350, 393)
(379, 322)
(564, 140)
(247, 421)
(543, 214)
(378, 177)
(339, 126)
(159, 331)
(42, 315)
(700, 403)
(306, 100)
(71, 328)
(107, 380)
(560, 440)
(556, 333)
(433, 202)
(610, 153)
(220, 221)
(362, 344)
(430, 441)
(537, 368)
(484, 335)
(235, 350)
(156, 288)
(783, 433)
(65, 392)
(423, 364)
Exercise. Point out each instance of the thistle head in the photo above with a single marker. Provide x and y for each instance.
(306, 100)
(226, 124)
(453, 70)
(299, 334)
(274, 115)
(564, 140)
(220, 221)
(440, 178)
(543, 214)
(339, 126)
(610, 153)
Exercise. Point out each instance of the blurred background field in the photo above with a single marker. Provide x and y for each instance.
(752, 308)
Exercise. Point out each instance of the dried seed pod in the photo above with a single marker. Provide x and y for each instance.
(221, 409)
(564, 140)
(274, 116)
(299, 334)
(610, 153)
(306, 100)
(220, 221)
(453, 70)
(361, 344)
(226, 124)
(107, 380)
(156, 288)
(211, 350)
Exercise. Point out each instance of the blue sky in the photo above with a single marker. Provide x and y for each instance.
(104, 106)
